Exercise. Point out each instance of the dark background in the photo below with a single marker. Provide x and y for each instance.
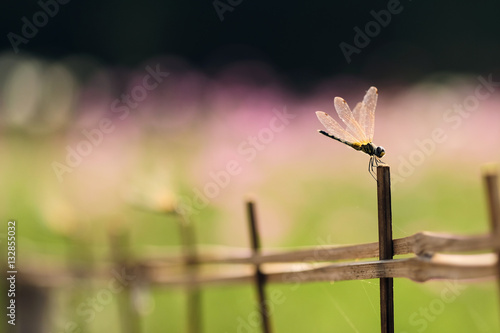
(299, 39)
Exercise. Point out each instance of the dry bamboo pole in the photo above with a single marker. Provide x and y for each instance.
(37, 272)
(420, 243)
(260, 278)
(190, 255)
(120, 248)
(491, 182)
(189, 260)
(385, 246)
(418, 269)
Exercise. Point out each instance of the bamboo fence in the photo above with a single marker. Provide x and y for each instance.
(428, 256)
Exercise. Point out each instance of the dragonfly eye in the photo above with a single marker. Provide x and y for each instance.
(379, 152)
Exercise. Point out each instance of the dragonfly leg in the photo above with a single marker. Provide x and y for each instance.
(371, 167)
(374, 162)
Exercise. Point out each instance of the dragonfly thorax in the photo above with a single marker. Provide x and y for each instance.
(373, 150)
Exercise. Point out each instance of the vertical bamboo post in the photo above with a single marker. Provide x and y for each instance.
(191, 261)
(385, 246)
(120, 248)
(260, 278)
(491, 182)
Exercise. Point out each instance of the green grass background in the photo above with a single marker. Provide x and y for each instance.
(338, 209)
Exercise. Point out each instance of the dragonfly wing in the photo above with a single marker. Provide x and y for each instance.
(347, 117)
(367, 118)
(358, 113)
(333, 128)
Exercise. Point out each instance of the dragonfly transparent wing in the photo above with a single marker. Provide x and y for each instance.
(367, 113)
(359, 114)
(333, 128)
(347, 117)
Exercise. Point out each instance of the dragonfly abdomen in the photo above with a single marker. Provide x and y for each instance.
(356, 146)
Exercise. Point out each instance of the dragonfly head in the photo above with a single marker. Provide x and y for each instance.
(379, 152)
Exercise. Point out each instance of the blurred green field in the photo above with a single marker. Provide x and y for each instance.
(337, 210)
(309, 191)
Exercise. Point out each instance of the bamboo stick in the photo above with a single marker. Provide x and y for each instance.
(418, 269)
(423, 243)
(491, 182)
(129, 315)
(49, 273)
(260, 278)
(385, 246)
(190, 254)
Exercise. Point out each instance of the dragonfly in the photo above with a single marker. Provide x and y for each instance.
(359, 130)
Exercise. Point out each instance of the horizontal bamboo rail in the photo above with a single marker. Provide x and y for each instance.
(427, 246)
(418, 269)
(422, 243)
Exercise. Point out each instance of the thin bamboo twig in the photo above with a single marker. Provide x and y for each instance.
(491, 182)
(421, 243)
(130, 317)
(260, 278)
(39, 274)
(191, 261)
(385, 246)
(418, 269)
